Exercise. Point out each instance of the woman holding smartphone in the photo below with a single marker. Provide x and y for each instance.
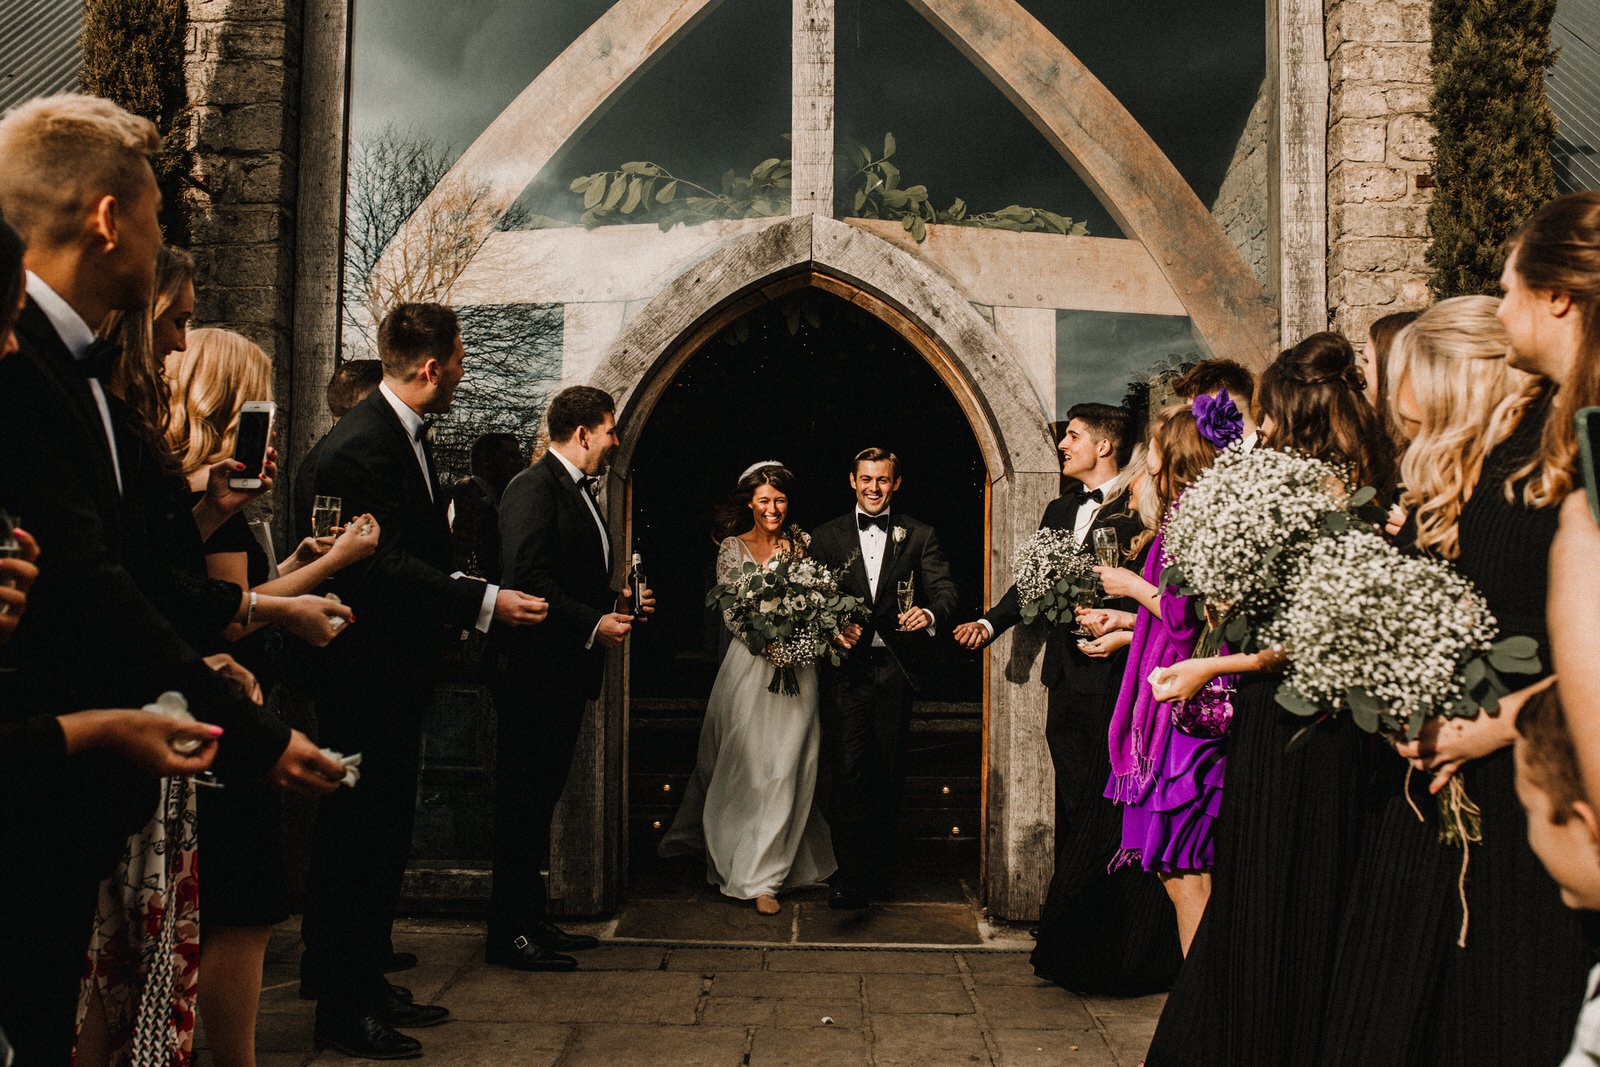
(219, 377)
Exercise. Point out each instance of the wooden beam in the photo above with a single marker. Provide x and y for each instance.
(993, 267)
(1112, 153)
(1297, 165)
(811, 124)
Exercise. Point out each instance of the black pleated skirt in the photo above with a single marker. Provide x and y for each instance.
(1404, 993)
(1253, 988)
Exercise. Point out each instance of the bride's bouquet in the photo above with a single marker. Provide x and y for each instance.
(1051, 573)
(787, 611)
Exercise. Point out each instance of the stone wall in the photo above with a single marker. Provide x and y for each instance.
(1378, 146)
(243, 71)
(1242, 207)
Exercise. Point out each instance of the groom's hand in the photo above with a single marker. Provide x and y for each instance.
(970, 635)
(613, 628)
(847, 638)
(916, 619)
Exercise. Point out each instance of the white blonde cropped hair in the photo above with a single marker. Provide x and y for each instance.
(61, 155)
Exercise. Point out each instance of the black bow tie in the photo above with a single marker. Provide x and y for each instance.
(863, 520)
(591, 486)
(425, 431)
(1082, 495)
(99, 359)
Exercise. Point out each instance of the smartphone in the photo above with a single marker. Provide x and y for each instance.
(250, 446)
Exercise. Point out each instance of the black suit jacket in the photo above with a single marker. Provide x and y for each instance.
(1064, 664)
(550, 547)
(91, 638)
(919, 554)
(403, 597)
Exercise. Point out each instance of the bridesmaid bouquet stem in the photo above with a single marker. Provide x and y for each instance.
(788, 611)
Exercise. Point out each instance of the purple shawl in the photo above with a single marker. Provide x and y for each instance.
(1140, 724)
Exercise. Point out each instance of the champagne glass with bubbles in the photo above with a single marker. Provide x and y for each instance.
(905, 592)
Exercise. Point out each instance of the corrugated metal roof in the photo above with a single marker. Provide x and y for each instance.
(1574, 89)
(41, 48)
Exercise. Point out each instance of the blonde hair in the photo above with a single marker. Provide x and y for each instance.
(218, 373)
(1467, 398)
(62, 154)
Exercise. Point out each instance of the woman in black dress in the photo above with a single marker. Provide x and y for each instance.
(1253, 986)
(1407, 991)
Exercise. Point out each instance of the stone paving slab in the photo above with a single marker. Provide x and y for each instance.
(727, 1007)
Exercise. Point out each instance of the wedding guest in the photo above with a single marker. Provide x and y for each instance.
(377, 681)
(555, 542)
(241, 836)
(348, 386)
(475, 503)
(1375, 357)
(1253, 986)
(866, 701)
(1166, 772)
(1402, 962)
(749, 807)
(1564, 832)
(1558, 321)
(78, 187)
(1100, 932)
(1210, 376)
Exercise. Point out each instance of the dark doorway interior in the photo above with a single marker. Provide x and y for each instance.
(809, 381)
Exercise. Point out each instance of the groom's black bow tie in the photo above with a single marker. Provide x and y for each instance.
(425, 431)
(863, 520)
(99, 358)
(1080, 495)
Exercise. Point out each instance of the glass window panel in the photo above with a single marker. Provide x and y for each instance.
(1574, 88)
(718, 101)
(446, 70)
(1188, 73)
(1101, 354)
(955, 133)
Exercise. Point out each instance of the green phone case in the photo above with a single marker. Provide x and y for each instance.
(1586, 458)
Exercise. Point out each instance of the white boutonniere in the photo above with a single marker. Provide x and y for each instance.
(899, 534)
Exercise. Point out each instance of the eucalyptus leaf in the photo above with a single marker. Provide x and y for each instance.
(1290, 698)
(1361, 496)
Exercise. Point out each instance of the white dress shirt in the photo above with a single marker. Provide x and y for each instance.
(413, 424)
(873, 542)
(77, 336)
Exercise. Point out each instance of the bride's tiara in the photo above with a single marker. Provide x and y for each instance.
(748, 471)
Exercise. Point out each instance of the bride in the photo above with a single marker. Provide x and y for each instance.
(749, 804)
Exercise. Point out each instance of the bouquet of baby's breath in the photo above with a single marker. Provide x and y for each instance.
(1233, 537)
(1052, 573)
(1393, 639)
(787, 611)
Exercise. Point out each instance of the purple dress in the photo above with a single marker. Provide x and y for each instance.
(1169, 782)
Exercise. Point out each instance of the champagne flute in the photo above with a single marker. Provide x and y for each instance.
(325, 513)
(905, 592)
(1106, 547)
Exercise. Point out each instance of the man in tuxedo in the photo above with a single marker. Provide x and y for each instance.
(349, 384)
(78, 188)
(553, 542)
(377, 681)
(1095, 446)
(867, 701)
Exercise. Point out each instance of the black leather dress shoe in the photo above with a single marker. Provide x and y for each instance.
(399, 961)
(847, 900)
(365, 1037)
(548, 935)
(523, 955)
(405, 1015)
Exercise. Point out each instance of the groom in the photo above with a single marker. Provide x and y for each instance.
(867, 701)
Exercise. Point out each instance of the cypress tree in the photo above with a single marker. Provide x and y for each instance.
(1494, 133)
(133, 52)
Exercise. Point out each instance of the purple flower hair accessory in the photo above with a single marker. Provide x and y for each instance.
(1218, 419)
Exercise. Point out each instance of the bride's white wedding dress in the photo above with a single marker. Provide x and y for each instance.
(749, 805)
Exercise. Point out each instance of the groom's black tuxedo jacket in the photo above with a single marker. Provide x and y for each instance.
(551, 548)
(90, 638)
(1065, 666)
(836, 540)
(403, 597)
